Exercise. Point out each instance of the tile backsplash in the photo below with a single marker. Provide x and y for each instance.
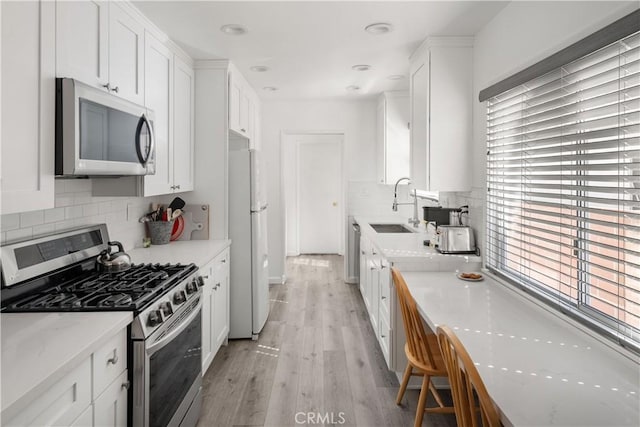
(75, 207)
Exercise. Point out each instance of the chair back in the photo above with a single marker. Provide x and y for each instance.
(465, 379)
(413, 327)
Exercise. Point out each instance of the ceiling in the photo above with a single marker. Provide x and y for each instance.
(311, 46)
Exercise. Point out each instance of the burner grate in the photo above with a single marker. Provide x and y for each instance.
(128, 290)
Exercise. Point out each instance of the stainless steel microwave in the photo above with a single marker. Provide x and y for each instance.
(100, 134)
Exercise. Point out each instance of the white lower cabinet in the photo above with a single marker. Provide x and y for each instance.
(61, 404)
(110, 408)
(380, 297)
(94, 393)
(215, 307)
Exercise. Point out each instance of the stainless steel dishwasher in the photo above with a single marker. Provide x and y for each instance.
(353, 254)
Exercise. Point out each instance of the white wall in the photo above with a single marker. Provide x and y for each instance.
(522, 34)
(75, 207)
(356, 119)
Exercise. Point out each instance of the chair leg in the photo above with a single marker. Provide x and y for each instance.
(436, 395)
(405, 381)
(422, 400)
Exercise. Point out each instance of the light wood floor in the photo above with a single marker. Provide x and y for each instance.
(316, 354)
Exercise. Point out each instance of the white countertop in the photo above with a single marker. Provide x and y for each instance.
(198, 252)
(40, 348)
(539, 368)
(405, 247)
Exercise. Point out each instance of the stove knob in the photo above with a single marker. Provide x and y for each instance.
(155, 318)
(191, 287)
(166, 309)
(179, 297)
(200, 281)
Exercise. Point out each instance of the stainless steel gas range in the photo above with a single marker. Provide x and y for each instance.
(60, 273)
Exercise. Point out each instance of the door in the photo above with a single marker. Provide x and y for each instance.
(183, 141)
(158, 97)
(126, 46)
(28, 99)
(260, 269)
(82, 42)
(419, 122)
(319, 193)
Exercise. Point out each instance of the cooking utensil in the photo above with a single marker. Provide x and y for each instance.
(119, 261)
(177, 203)
(178, 228)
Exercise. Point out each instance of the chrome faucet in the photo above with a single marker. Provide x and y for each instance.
(395, 194)
(415, 221)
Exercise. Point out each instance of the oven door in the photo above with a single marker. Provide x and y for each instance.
(167, 370)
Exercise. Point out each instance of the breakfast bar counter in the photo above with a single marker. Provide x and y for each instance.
(539, 367)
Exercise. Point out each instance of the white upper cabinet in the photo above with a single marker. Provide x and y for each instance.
(99, 43)
(126, 47)
(158, 91)
(243, 107)
(28, 105)
(394, 160)
(82, 41)
(441, 100)
(183, 126)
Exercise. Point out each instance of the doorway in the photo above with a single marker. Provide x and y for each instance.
(313, 193)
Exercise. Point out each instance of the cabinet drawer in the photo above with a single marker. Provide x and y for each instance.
(62, 404)
(109, 361)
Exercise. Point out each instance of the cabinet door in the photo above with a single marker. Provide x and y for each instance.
(363, 266)
(251, 122)
(183, 138)
(126, 47)
(397, 157)
(82, 41)
(419, 122)
(158, 81)
(374, 292)
(207, 312)
(110, 408)
(235, 94)
(380, 141)
(28, 105)
(245, 106)
(220, 326)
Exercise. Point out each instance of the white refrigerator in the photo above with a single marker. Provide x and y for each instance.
(249, 256)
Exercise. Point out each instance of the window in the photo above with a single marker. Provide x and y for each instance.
(563, 201)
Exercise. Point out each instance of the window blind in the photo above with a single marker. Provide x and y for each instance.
(563, 200)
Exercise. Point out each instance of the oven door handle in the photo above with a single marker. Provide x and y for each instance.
(158, 345)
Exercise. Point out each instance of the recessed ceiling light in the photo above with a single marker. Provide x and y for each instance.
(379, 28)
(361, 67)
(270, 88)
(353, 88)
(234, 29)
(259, 68)
(396, 77)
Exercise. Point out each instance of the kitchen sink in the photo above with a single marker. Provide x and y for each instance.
(390, 228)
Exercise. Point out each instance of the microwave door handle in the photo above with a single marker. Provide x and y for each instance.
(144, 157)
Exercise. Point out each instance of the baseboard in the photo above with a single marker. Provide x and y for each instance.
(278, 280)
(351, 280)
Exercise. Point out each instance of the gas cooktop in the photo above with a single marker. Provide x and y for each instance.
(99, 291)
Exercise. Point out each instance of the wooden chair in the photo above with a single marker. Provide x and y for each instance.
(423, 353)
(465, 380)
